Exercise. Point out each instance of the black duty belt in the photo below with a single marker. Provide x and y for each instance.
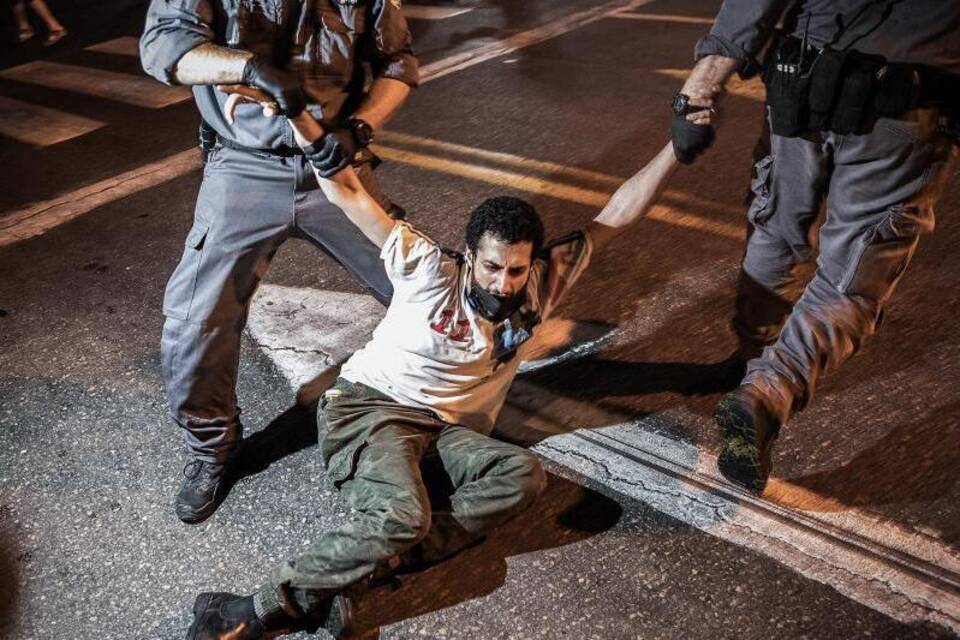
(844, 91)
(279, 152)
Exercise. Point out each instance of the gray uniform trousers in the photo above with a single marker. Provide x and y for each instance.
(878, 191)
(249, 204)
(375, 449)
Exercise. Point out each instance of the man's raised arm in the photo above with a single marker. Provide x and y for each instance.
(343, 188)
(634, 198)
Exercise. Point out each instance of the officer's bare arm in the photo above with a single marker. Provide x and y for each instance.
(386, 95)
(634, 198)
(211, 64)
(706, 80)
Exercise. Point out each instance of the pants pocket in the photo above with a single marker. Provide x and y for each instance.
(882, 254)
(178, 297)
(761, 208)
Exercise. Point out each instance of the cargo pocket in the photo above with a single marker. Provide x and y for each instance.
(762, 206)
(881, 255)
(178, 297)
(343, 465)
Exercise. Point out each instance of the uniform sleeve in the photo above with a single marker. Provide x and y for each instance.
(742, 29)
(173, 28)
(407, 254)
(394, 44)
(566, 259)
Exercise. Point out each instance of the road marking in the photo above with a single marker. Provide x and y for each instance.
(903, 574)
(430, 12)
(553, 169)
(751, 89)
(123, 46)
(437, 69)
(542, 186)
(660, 17)
(558, 27)
(120, 87)
(41, 217)
(906, 574)
(39, 125)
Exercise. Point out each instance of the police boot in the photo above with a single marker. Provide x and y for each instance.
(749, 429)
(217, 616)
(204, 486)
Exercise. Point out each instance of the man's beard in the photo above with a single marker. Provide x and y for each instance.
(491, 306)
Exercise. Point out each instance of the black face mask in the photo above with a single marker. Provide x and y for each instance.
(491, 306)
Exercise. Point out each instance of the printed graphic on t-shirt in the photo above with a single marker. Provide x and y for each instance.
(513, 332)
(458, 331)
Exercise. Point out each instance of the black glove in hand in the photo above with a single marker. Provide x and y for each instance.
(689, 139)
(332, 153)
(282, 86)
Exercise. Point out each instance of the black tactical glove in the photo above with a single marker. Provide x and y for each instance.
(333, 152)
(689, 139)
(282, 86)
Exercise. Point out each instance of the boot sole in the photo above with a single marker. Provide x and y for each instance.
(740, 460)
(341, 619)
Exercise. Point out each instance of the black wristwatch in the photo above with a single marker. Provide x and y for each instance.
(362, 131)
(681, 104)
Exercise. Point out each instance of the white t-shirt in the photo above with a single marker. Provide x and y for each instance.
(432, 350)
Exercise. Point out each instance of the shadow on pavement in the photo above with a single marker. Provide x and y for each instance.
(9, 582)
(915, 462)
(565, 513)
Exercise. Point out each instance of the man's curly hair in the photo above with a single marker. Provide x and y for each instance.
(507, 219)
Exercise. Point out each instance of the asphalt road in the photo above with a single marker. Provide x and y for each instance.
(89, 544)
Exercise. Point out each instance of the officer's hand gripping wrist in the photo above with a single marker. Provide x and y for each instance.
(282, 86)
(332, 153)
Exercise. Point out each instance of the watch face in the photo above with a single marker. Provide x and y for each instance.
(680, 103)
(362, 131)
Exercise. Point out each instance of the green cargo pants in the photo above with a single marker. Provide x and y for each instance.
(378, 453)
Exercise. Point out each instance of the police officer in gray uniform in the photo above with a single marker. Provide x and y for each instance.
(862, 103)
(350, 64)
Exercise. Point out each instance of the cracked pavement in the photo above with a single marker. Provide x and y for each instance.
(90, 547)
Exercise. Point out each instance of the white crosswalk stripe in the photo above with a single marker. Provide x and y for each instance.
(429, 12)
(123, 46)
(904, 573)
(41, 126)
(139, 91)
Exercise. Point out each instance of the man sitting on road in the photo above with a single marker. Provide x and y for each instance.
(430, 382)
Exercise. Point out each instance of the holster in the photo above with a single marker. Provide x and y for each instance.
(788, 84)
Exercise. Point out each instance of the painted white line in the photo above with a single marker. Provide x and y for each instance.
(43, 216)
(122, 46)
(121, 87)
(904, 574)
(525, 39)
(307, 331)
(751, 89)
(39, 125)
(660, 17)
(430, 12)
(542, 186)
(429, 72)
